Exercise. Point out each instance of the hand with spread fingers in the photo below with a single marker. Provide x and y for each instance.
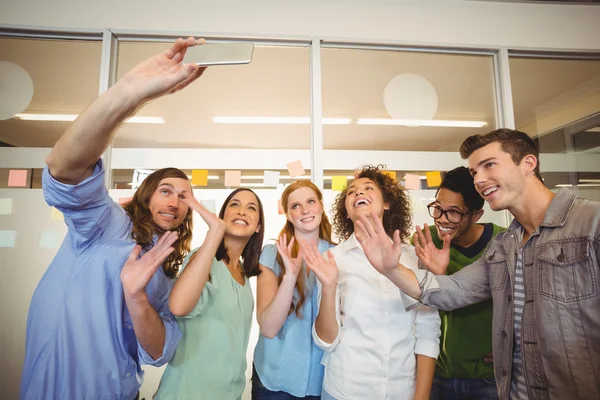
(293, 265)
(163, 73)
(324, 268)
(213, 221)
(383, 253)
(435, 260)
(137, 272)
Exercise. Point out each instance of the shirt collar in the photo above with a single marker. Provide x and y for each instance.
(557, 212)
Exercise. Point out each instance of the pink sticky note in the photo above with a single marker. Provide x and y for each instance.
(233, 178)
(17, 178)
(295, 169)
(412, 182)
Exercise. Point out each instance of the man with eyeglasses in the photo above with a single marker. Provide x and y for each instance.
(464, 367)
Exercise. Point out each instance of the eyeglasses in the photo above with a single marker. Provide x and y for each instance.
(451, 215)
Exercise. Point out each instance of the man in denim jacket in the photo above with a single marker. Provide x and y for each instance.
(542, 274)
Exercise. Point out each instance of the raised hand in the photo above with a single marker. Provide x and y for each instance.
(324, 268)
(163, 73)
(136, 273)
(436, 260)
(383, 253)
(214, 222)
(293, 266)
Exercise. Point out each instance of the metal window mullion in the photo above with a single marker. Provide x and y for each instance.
(316, 111)
(108, 70)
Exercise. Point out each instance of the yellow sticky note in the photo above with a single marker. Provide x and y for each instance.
(233, 178)
(200, 177)
(391, 174)
(56, 215)
(338, 183)
(295, 169)
(434, 178)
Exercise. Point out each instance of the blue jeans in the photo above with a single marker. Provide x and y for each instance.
(260, 392)
(463, 389)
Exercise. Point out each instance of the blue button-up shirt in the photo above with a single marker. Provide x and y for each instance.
(291, 361)
(80, 340)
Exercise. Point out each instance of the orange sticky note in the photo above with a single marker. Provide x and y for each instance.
(17, 178)
(233, 178)
(338, 183)
(412, 182)
(56, 215)
(124, 200)
(391, 174)
(295, 169)
(200, 177)
(434, 178)
(280, 209)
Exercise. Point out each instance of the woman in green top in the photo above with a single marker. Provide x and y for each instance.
(213, 303)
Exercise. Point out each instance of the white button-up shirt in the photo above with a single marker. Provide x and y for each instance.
(374, 353)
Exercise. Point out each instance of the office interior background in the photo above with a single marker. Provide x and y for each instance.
(333, 84)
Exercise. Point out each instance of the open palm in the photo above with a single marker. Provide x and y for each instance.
(325, 269)
(435, 260)
(383, 253)
(293, 265)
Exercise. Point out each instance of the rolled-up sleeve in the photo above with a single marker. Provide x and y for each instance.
(427, 331)
(172, 337)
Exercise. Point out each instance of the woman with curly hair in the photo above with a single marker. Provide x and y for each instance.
(374, 349)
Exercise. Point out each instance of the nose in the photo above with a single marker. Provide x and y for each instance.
(173, 201)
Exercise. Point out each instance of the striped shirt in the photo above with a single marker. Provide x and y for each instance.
(518, 386)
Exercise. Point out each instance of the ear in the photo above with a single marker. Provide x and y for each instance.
(529, 162)
(386, 206)
(477, 215)
(258, 228)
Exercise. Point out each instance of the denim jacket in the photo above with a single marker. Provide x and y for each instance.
(560, 329)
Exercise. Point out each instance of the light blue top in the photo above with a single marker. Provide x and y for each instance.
(291, 361)
(210, 361)
(80, 341)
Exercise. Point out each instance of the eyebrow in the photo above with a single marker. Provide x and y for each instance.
(172, 187)
(480, 163)
(251, 203)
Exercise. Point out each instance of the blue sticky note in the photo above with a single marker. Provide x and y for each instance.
(8, 238)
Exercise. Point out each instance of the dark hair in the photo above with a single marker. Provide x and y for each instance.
(516, 143)
(143, 224)
(459, 180)
(251, 252)
(288, 230)
(397, 217)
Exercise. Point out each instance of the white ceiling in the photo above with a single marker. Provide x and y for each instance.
(276, 83)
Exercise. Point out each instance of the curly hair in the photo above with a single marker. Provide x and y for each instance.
(288, 230)
(143, 225)
(397, 217)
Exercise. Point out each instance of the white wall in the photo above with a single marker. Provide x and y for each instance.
(452, 22)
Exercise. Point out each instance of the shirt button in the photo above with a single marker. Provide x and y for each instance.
(128, 374)
(503, 372)
(509, 297)
(504, 334)
(129, 327)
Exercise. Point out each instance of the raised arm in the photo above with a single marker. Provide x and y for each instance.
(73, 157)
(273, 300)
(188, 287)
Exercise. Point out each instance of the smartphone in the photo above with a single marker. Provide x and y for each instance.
(220, 53)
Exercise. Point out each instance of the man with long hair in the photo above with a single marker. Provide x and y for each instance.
(100, 311)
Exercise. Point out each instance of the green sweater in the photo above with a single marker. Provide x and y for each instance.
(466, 332)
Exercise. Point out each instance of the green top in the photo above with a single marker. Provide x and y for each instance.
(467, 332)
(210, 360)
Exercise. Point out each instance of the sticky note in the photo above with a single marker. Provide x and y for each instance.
(200, 177)
(233, 178)
(391, 174)
(56, 215)
(51, 240)
(17, 178)
(5, 206)
(434, 178)
(412, 182)
(210, 205)
(338, 183)
(280, 209)
(8, 238)
(123, 200)
(295, 169)
(271, 178)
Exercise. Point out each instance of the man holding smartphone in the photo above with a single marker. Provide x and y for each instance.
(100, 311)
